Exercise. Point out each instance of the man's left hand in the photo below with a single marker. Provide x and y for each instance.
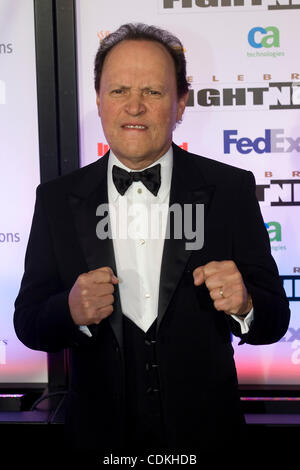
(226, 286)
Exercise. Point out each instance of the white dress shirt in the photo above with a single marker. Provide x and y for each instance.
(138, 240)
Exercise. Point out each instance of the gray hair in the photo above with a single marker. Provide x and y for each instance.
(138, 32)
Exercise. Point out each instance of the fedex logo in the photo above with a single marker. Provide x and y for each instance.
(274, 141)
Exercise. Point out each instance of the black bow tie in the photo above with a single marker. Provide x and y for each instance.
(149, 177)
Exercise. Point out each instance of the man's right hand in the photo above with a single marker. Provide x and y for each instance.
(91, 297)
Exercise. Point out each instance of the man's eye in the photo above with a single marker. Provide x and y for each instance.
(119, 92)
(153, 93)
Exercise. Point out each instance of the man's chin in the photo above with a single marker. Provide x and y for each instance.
(136, 155)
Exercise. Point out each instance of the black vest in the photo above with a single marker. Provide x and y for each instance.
(144, 427)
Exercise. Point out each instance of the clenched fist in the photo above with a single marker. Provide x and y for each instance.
(91, 297)
(226, 286)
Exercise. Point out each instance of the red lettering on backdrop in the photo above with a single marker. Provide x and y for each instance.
(102, 149)
(184, 146)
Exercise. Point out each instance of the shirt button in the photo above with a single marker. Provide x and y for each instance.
(147, 296)
(142, 242)
(139, 190)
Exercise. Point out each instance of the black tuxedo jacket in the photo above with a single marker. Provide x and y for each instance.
(197, 371)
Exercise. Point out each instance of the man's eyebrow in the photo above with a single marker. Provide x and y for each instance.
(117, 85)
(153, 87)
(127, 87)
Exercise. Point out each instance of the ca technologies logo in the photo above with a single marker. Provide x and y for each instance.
(274, 141)
(274, 231)
(259, 37)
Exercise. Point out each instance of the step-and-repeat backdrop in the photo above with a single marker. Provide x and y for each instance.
(244, 109)
(19, 176)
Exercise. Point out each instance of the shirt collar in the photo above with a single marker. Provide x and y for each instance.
(166, 162)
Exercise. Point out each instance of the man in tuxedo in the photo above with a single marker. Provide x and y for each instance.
(148, 319)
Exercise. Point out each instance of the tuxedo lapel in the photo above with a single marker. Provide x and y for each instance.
(91, 193)
(187, 187)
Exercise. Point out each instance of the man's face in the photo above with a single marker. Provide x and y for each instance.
(137, 101)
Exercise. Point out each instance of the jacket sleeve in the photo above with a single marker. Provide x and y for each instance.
(42, 318)
(252, 254)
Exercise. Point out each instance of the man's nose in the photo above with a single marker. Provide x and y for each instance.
(135, 104)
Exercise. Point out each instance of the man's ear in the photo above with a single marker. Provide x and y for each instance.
(98, 104)
(182, 101)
